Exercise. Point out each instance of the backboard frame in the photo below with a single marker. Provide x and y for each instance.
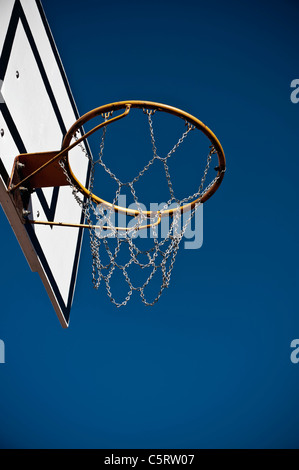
(26, 234)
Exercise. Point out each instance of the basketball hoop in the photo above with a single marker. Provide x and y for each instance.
(99, 213)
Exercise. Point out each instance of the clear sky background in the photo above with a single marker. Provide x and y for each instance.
(209, 366)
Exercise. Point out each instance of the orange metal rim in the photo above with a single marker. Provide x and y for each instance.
(127, 105)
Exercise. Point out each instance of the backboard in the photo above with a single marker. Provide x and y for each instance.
(36, 110)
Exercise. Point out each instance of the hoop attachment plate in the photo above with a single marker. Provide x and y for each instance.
(26, 164)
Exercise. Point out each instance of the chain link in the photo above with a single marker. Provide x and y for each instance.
(161, 256)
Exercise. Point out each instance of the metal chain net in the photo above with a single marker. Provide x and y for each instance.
(162, 254)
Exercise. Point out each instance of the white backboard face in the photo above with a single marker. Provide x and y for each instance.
(36, 110)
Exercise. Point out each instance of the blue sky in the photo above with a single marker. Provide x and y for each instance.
(209, 366)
